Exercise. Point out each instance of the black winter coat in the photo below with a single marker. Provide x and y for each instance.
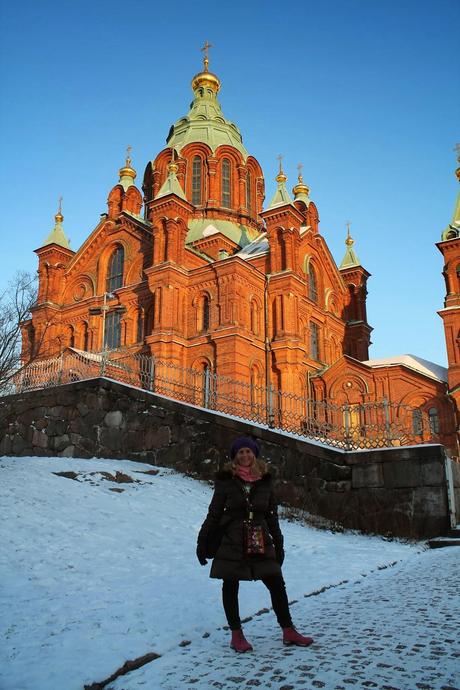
(229, 507)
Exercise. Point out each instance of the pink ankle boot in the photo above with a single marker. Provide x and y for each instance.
(291, 636)
(239, 643)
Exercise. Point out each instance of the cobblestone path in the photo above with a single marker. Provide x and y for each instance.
(397, 629)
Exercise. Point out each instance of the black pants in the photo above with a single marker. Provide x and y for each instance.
(276, 587)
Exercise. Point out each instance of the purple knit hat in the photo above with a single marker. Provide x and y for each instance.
(244, 442)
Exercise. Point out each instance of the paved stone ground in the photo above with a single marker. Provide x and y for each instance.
(397, 629)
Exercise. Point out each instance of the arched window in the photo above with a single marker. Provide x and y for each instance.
(197, 166)
(433, 418)
(314, 341)
(71, 336)
(112, 334)
(248, 191)
(226, 183)
(312, 283)
(206, 311)
(115, 270)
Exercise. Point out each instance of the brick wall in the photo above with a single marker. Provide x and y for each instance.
(397, 491)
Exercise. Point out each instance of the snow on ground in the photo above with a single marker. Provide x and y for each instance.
(91, 577)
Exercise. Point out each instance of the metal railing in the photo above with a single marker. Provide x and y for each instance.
(367, 425)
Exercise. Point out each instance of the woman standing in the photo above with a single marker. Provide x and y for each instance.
(252, 544)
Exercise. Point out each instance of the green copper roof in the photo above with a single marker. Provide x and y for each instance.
(57, 235)
(453, 229)
(350, 260)
(281, 196)
(205, 123)
(201, 228)
(171, 186)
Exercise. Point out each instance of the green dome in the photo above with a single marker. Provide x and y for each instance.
(205, 121)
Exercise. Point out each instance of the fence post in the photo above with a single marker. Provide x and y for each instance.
(151, 374)
(103, 362)
(61, 368)
(346, 419)
(206, 388)
(386, 409)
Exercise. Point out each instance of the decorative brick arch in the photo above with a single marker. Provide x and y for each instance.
(202, 307)
(82, 287)
(348, 388)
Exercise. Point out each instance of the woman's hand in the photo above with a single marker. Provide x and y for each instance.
(200, 554)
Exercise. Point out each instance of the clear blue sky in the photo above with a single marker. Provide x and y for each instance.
(365, 93)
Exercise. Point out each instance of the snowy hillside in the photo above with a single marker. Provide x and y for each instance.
(95, 572)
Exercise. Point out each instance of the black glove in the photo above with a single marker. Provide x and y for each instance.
(279, 554)
(200, 554)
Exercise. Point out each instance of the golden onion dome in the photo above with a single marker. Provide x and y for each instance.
(281, 177)
(59, 217)
(206, 78)
(300, 188)
(128, 170)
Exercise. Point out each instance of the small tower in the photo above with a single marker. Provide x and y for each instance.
(357, 330)
(53, 257)
(125, 196)
(450, 249)
(283, 220)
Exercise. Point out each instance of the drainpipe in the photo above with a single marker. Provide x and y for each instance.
(268, 396)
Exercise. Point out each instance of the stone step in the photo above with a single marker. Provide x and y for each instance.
(441, 542)
(454, 532)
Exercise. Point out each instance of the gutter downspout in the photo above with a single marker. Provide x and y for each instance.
(268, 401)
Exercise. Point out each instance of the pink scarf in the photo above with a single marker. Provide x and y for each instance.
(245, 474)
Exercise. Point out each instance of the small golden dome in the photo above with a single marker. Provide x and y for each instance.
(457, 173)
(173, 167)
(59, 217)
(301, 187)
(206, 80)
(128, 170)
(349, 241)
(281, 177)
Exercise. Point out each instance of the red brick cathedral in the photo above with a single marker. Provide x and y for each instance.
(198, 271)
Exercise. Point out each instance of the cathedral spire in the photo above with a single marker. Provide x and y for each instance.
(127, 173)
(57, 234)
(453, 229)
(281, 196)
(350, 259)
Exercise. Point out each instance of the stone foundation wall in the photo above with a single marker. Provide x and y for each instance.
(397, 491)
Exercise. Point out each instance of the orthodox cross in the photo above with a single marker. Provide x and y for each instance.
(279, 158)
(204, 50)
(300, 168)
(348, 227)
(60, 205)
(128, 154)
(457, 150)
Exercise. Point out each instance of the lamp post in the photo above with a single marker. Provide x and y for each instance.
(103, 310)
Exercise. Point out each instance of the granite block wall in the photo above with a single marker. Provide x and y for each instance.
(397, 491)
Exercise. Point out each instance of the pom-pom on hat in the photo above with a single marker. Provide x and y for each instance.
(244, 442)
